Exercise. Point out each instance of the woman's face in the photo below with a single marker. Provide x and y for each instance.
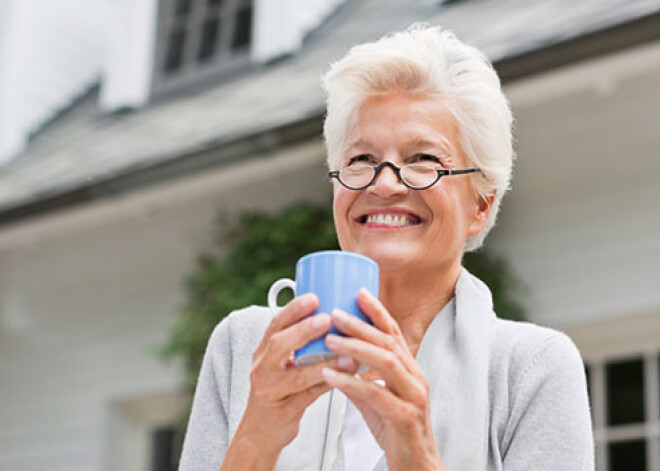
(428, 227)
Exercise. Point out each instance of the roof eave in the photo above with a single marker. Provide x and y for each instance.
(216, 154)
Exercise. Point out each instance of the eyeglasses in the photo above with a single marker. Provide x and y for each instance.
(415, 176)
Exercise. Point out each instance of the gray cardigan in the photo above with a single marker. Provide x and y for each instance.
(504, 395)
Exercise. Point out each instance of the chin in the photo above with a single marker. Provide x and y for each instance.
(390, 256)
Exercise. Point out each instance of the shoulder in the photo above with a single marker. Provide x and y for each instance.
(524, 349)
(527, 359)
(240, 331)
(539, 395)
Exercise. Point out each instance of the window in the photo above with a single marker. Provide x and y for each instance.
(177, 41)
(166, 444)
(198, 39)
(243, 28)
(207, 45)
(625, 392)
(629, 455)
(625, 402)
(144, 433)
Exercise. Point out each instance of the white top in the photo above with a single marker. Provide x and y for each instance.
(361, 451)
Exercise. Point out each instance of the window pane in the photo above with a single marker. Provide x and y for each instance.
(165, 449)
(182, 7)
(625, 392)
(175, 47)
(243, 28)
(627, 456)
(209, 39)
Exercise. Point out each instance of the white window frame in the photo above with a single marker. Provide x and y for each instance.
(613, 340)
(605, 434)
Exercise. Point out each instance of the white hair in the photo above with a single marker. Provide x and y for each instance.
(429, 60)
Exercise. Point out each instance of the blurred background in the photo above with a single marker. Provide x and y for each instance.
(127, 126)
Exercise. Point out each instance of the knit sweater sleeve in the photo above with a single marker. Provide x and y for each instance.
(549, 425)
(207, 436)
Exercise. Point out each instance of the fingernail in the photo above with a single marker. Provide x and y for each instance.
(319, 320)
(339, 315)
(332, 340)
(307, 300)
(329, 373)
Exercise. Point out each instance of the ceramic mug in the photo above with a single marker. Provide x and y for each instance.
(335, 277)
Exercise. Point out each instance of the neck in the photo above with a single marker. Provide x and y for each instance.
(414, 298)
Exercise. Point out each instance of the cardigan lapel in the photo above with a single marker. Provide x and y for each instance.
(454, 355)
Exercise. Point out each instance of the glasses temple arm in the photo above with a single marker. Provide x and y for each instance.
(462, 171)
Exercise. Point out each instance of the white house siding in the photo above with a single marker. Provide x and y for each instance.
(581, 224)
(82, 304)
(129, 44)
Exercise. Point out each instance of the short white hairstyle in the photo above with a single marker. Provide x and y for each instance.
(425, 60)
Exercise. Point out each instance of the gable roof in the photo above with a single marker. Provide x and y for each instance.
(84, 155)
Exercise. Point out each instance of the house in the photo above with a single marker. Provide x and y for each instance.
(126, 126)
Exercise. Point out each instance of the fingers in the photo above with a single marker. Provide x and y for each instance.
(363, 392)
(354, 327)
(294, 310)
(347, 365)
(303, 399)
(374, 310)
(385, 362)
(302, 379)
(279, 346)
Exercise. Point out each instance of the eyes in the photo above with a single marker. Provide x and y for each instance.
(370, 159)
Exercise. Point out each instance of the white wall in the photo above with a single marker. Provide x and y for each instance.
(5, 10)
(50, 53)
(131, 35)
(581, 224)
(82, 304)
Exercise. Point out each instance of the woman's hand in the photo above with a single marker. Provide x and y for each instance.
(279, 391)
(398, 413)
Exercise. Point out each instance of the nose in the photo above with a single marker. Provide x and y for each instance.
(387, 183)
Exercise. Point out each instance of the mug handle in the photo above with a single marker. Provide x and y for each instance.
(274, 292)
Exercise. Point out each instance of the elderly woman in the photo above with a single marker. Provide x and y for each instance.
(419, 142)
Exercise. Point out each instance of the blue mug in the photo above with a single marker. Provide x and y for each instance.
(335, 277)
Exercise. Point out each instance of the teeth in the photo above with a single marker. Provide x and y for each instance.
(390, 219)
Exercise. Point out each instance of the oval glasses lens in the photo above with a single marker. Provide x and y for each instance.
(418, 175)
(357, 175)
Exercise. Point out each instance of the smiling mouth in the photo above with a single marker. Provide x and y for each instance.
(397, 220)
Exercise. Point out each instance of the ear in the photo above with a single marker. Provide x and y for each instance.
(481, 213)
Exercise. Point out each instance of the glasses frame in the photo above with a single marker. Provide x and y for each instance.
(441, 172)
